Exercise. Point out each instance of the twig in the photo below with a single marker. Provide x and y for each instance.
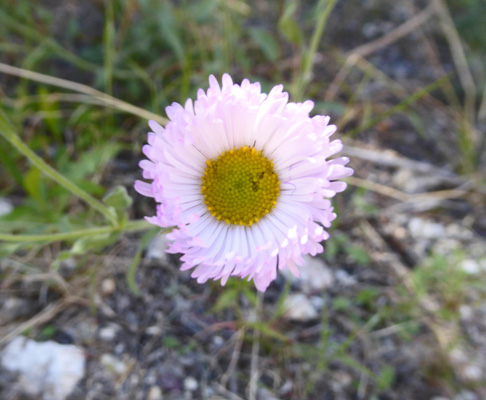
(41, 318)
(390, 158)
(255, 350)
(240, 335)
(388, 258)
(399, 32)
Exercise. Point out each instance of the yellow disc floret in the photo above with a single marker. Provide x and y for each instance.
(240, 186)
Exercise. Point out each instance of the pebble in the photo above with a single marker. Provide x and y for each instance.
(156, 249)
(190, 384)
(5, 207)
(424, 229)
(108, 286)
(471, 267)
(344, 278)
(298, 308)
(155, 393)
(265, 394)
(315, 275)
(47, 370)
(108, 333)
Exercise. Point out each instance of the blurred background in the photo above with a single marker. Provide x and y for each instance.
(394, 309)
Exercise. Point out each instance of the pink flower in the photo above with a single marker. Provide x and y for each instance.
(244, 178)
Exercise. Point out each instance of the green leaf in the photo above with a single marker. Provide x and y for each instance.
(50, 107)
(266, 42)
(34, 185)
(385, 378)
(358, 254)
(90, 243)
(288, 27)
(227, 300)
(118, 198)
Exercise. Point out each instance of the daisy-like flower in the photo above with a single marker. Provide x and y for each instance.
(244, 178)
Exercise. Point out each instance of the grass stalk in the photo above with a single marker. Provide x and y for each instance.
(7, 131)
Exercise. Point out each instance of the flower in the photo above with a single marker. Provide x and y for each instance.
(244, 178)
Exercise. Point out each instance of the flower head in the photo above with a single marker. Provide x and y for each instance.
(244, 178)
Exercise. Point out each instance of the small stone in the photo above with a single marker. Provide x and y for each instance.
(298, 308)
(108, 333)
(13, 308)
(315, 275)
(156, 249)
(5, 207)
(466, 395)
(470, 266)
(466, 312)
(190, 384)
(218, 341)
(265, 394)
(286, 388)
(153, 330)
(108, 286)
(424, 229)
(48, 369)
(472, 373)
(155, 393)
(344, 278)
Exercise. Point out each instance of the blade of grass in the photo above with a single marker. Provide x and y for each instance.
(131, 226)
(132, 269)
(52, 45)
(108, 101)
(400, 107)
(7, 131)
(305, 76)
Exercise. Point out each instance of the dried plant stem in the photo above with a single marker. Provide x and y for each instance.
(399, 32)
(105, 99)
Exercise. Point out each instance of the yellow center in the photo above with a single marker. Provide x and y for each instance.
(240, 186)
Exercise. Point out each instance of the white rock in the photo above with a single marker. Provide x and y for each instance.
(471, 267)
(472, 373)
(108, 332)
(344, 278)
(5, 207)
(297, 307)
(108, 286)
(425, 229)
(190, 384)
(265, 394)
(156, 249)
(48, 369)
(315, 275)
(155, 393)
(466, 312)
(466, 395)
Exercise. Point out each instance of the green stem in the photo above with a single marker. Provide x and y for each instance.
(6, 130)
(306, 75)
(131, 226)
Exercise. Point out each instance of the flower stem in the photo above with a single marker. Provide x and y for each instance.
(305, 76)
(6, 130)
(131, 226)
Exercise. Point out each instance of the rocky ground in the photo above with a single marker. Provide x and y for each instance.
(395, 308)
